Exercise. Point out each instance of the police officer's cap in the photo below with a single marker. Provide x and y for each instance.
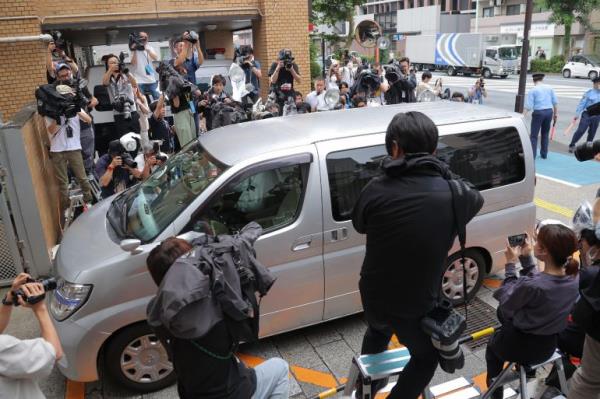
(537, 76)
(596, 79)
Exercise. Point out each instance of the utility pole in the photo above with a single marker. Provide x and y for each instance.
(476, 16)
(520, 99)
(323, 54)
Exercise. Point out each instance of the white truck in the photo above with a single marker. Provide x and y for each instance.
(465, 53)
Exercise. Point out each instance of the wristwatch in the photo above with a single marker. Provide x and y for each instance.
(6, 302)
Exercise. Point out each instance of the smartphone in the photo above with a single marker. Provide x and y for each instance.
(517, 240)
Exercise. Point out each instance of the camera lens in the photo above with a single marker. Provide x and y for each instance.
(586, 151)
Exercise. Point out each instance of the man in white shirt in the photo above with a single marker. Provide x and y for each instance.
(316, 98)
(24, 362)
(65, 151)
(142, 70)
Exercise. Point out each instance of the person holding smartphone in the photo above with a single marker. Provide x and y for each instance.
(533, 305)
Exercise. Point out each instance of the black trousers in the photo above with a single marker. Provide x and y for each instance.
(124, 126)
(512, 345)
(424, 357)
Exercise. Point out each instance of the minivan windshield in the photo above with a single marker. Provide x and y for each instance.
(148, 208)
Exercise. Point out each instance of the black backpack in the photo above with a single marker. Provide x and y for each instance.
(50, 103)
(225, 114)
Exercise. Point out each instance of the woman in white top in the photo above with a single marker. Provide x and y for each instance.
(334, 77)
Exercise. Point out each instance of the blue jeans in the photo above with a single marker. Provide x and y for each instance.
(586, 122)
(272, 381)
(150, 89)
(540, 119)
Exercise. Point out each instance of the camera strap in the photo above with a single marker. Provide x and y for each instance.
(457, 191)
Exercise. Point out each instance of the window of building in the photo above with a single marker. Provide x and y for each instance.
(488, 12)
(488, 159)
(514, 9)
(272, 198)
(454, 5)
(420, 3)
(443, 5)
(473, 5)
(394, 6)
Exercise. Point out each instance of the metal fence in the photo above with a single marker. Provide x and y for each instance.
(10, 258)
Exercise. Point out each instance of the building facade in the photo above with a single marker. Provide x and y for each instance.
(275, 24)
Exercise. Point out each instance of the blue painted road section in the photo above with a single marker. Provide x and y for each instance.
(567, 168)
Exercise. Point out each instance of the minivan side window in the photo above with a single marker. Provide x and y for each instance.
(488, 159)
(272, 198)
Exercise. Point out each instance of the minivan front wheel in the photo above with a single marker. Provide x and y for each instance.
(452, 280)
(136, 359)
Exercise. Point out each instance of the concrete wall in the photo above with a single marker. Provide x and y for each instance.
(425, 20)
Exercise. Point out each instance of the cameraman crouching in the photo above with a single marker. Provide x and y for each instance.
(207, 367)
(407, 215)
(116, 169)
(150, 159)
(120, 88)
(24, 362)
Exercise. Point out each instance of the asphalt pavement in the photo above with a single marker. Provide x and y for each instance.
(320, 355)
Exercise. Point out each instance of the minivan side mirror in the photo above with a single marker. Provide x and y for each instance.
(131, 245)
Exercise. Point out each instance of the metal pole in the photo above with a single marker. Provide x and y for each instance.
(476, 16)
(323, 54)
(520, 99)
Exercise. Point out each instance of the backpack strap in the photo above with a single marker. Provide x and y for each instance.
(457, 190)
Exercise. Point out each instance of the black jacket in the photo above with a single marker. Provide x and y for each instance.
(408, 218)
(587, 310)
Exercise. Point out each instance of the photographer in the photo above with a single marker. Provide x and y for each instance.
(141, 61)
(410, 223)
(207, 367)
(116, 169)
(216, 94)
(477, 93)
(61, 58)
(283, 73)
(533, 306)
(159, 127)
(149, 160)
(64, 132)
(25, 362)
(189, 55)
(402, 90)
(251, 69)
(120, 89)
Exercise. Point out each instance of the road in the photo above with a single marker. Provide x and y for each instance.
(320, 356)
(502, 92)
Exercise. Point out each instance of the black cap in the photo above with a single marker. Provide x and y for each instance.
(596, 79)
(537, 76)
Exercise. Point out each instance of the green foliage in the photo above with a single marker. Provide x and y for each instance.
(566, 13)
(333, 11)
(315, 68)
(553, 65)
(384, 56)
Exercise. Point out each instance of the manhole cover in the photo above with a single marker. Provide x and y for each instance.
(480, 316)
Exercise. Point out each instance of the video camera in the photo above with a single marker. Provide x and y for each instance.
(368, 82)
(61, 99)
(122, 105)
(172, 83)
(393, 73)
(285, 55)
(49, 284)
(136, 42)
(122, 66)
(191, 37)
(116, 149)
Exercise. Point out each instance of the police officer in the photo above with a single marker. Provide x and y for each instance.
(590, 98)
(542, 101)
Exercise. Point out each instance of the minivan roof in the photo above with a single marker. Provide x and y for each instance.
(235, 143)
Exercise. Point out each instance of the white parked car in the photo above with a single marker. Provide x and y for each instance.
(582, 66)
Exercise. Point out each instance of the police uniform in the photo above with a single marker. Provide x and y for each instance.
(542, 100)
(591, 97)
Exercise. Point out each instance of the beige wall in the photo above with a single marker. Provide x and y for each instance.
(220, 39)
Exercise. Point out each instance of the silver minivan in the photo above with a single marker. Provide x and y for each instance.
(297, 176)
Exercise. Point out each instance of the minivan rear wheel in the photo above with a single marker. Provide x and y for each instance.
(136, 359)
(452, 281)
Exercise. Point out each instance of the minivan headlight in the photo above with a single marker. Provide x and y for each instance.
(67, 298)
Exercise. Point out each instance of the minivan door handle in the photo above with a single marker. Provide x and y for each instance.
(302, 243)
(336, 235)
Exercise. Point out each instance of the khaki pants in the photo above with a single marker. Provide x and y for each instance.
(585, 383)
(61, 162)
(185, 127)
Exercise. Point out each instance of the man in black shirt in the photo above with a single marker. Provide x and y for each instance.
(283, 73)
(408, 217)
(159, 127)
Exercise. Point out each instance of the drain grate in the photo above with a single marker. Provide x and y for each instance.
(480, 316)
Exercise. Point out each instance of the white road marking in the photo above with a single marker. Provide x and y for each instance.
(566, 183)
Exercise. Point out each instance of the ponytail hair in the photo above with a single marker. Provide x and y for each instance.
(560, 242)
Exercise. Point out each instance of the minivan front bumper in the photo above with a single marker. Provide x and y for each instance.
(81, 348)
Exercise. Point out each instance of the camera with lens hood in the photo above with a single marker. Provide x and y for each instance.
(48, 284)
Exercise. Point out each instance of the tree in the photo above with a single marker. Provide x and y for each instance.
(330, 12)
(566, 13)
